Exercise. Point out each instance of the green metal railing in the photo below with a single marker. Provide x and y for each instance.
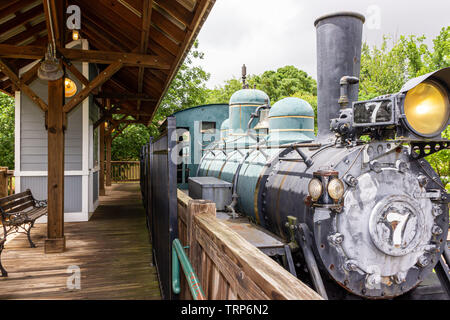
(180, 257)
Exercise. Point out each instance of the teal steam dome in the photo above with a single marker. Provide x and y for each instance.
(242, 104)
(249, 96)
(224, 129)
(291, 120)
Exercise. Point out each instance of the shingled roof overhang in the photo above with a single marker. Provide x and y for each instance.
(141, 43)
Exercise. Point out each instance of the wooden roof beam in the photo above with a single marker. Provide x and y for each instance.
(14, 6)
(177, 11)
(21, 18)
(146, 19)
(201, 11)
(93, 85)
(108, 57)
(75, 72)
(125, 96)
(30, 75)
(53, 21)
(6, 69)
(93, 56)
(118, 38)
(32, 31)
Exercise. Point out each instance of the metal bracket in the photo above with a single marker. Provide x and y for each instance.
(442, 270)
(303, 236)
(375, 150)
(431, 147)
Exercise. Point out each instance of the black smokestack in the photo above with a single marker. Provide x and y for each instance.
(339, 40)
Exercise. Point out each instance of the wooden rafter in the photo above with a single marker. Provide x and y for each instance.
(51, 10)
(125, 96)
(31, 31)
(30, 75)
(21, 18)
(107, 115)
(146, 19)
(22, 86)
(106, 57)
(151, 37)
(93, 85)
(75, 72)
(200, 11)
(93, 56)
(179, 12)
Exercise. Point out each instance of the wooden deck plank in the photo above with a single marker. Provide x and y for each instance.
(112, 251)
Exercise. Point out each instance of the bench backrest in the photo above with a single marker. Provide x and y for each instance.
(17, 202)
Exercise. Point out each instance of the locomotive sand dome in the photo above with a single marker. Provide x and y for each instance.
(225, 129)
(291, 120)
(242, 104)
(369, 217)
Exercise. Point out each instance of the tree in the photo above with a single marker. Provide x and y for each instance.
(385, 70)
(127, 146)
(6, 131)
(188, 89)
(285, 82)
(222, 94)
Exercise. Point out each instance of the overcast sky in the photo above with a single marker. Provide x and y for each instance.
(268, 34)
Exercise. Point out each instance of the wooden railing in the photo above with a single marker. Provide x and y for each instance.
(125, 171)
(7, 182)
(228, 266)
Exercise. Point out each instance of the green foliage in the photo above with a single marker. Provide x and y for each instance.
(385, 71)
(222, 94)
(127, 146)
(285, 82)
(440, 162)
(188, 89)
(6, 131)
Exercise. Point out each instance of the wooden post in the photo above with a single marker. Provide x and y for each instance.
(108, 141)
(102, 159)
(3, 182)
(55, 241)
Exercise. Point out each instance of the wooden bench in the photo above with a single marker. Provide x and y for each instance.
(18, 214)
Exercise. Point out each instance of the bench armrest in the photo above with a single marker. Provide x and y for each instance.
(40, 203)
(15, 218)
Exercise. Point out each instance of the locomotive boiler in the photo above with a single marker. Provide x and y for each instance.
(361, 208)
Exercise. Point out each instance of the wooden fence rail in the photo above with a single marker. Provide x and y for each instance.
(125, 171)
(7, 182)
(228, 266)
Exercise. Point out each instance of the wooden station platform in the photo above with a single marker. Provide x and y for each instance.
(112, 251)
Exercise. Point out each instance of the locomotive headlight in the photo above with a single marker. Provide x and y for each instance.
(336, 189)
(315, 189)
(427, 108)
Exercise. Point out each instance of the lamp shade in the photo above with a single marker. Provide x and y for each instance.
(70, 88)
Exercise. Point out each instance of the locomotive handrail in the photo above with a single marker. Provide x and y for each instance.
(180, 257)
(282, 146)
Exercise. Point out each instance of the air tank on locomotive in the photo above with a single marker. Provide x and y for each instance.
(369, 217)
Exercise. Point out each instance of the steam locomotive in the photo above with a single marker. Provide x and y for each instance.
(359, 205)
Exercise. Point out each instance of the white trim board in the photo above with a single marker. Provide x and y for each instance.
(17, 128)
(45, 173)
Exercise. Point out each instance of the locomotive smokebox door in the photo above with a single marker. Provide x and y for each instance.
(211, 188)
